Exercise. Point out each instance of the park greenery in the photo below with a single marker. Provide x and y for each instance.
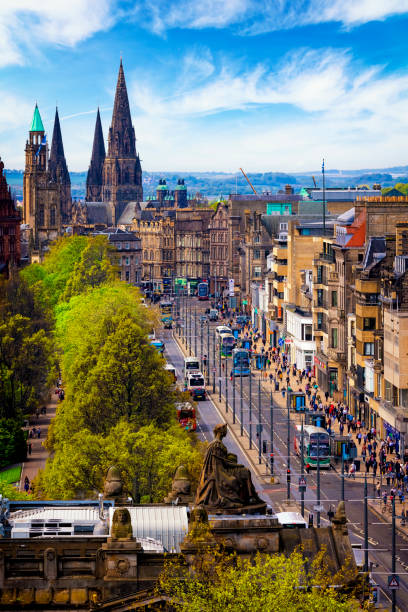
(401, 187)
(119, 401)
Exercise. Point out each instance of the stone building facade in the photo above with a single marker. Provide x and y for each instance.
(46, 184)
(9, 229)
(192, 259)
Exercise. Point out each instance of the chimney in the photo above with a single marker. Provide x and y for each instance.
(288, 190)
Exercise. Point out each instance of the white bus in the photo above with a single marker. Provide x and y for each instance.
(191, 364)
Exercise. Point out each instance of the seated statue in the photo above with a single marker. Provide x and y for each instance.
(224, 483)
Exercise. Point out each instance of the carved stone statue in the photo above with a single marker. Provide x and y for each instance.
(180, 488)
(224, 484)
(113, 486)
(121, 525)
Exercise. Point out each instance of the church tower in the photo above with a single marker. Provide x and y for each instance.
(42, 196)
(122, 172)
(94, 176)
(58, 169)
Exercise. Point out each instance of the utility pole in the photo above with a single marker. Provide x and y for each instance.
(271, 455)
(366, 567)
(250, 410)
(241, 402)
(189, 326)
(302, 470)
(393, 559)
(342, 472)
(318, 480)
(288, 448)
(233, 396)
(226, 381)
(201, 344)
(259, 421)
(214, 363)
(208, 352)
(219, 370)
(195, 331)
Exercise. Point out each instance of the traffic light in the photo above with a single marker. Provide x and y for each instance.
(288, 475)
(264, 446)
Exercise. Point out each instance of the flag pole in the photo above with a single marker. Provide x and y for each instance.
(324, 200)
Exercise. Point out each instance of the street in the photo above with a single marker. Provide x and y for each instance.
(379, 532)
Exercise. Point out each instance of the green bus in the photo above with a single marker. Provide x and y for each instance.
(315, 440)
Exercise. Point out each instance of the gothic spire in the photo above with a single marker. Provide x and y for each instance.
(57, 162)
(122, 141)
(94, 176)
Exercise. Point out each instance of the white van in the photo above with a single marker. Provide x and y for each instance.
(221, 330)
(191, 364)
(169, 367)
(291, 520)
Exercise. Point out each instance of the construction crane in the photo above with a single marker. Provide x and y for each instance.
(314, 182)
(249, 182)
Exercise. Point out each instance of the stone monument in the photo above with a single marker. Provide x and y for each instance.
(225, 486)
(180, 488)
(113, 486)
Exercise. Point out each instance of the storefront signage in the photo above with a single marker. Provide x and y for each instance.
(231, 287)
(320, 364)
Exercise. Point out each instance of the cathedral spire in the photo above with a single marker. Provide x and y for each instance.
(58, 170)
(94, 177)
(122, 141)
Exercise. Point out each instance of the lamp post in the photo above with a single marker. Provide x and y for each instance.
(271, 455)
(233, 396)
(259, 421)
(241, 406)
(226, 381)
(214, 362)
(288, 448)
(219, 370)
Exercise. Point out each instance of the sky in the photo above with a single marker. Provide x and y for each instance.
(214, 85)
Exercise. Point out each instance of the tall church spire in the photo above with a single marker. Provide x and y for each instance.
(58, 170)
(94, 177)
(57, 163)
(122, 141)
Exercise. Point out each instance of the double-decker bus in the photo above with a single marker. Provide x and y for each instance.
(241, 362)
(202, 291)
(316, 443)
(166, 309)
(186, 416)
(227, 344)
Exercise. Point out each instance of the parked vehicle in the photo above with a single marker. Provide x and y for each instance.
(171, 370)
(158, 345)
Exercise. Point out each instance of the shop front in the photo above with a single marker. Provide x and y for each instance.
(320, 362)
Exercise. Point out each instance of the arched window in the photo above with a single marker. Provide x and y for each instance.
(151, 256)
(145, 255)
(53, 216)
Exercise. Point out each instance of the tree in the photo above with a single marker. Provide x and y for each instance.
(146, 459)
(13, 447)
(218, 581)
(94, 268)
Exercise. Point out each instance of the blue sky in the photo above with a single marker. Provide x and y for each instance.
(269, 85)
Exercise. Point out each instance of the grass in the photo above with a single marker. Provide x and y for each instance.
(11, 475)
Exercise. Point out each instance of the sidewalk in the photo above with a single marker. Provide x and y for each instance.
(39, 453)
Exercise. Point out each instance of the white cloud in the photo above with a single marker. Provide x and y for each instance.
(256, 16)
(27, 26)
(355, 117)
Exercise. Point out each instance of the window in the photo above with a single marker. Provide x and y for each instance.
(127, 246)
(369, 348)
(307, 332)
(283, 227)
(257, 271)
(334, 299)
(127, 275)
(319, 320)
(127, 261)
(118, 246)
(257, 254)
(334, 337)
(257, 238)
(368, 323)
(41, 216)
(52, 216)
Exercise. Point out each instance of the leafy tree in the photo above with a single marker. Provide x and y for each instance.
(94, 267)
(219, 582)
(26, 360)
(13, 447)
(146, 459)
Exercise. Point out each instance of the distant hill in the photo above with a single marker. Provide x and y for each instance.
(217, 184)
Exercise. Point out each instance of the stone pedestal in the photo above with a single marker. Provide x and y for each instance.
(120, 558)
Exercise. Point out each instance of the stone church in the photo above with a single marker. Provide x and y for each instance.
(114, 179)
(46, 184)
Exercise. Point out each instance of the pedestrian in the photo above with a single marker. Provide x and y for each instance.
(38, 432)
(330, 514)
(352, 471)
(378, 487)
(29, 448)
(26, 484)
